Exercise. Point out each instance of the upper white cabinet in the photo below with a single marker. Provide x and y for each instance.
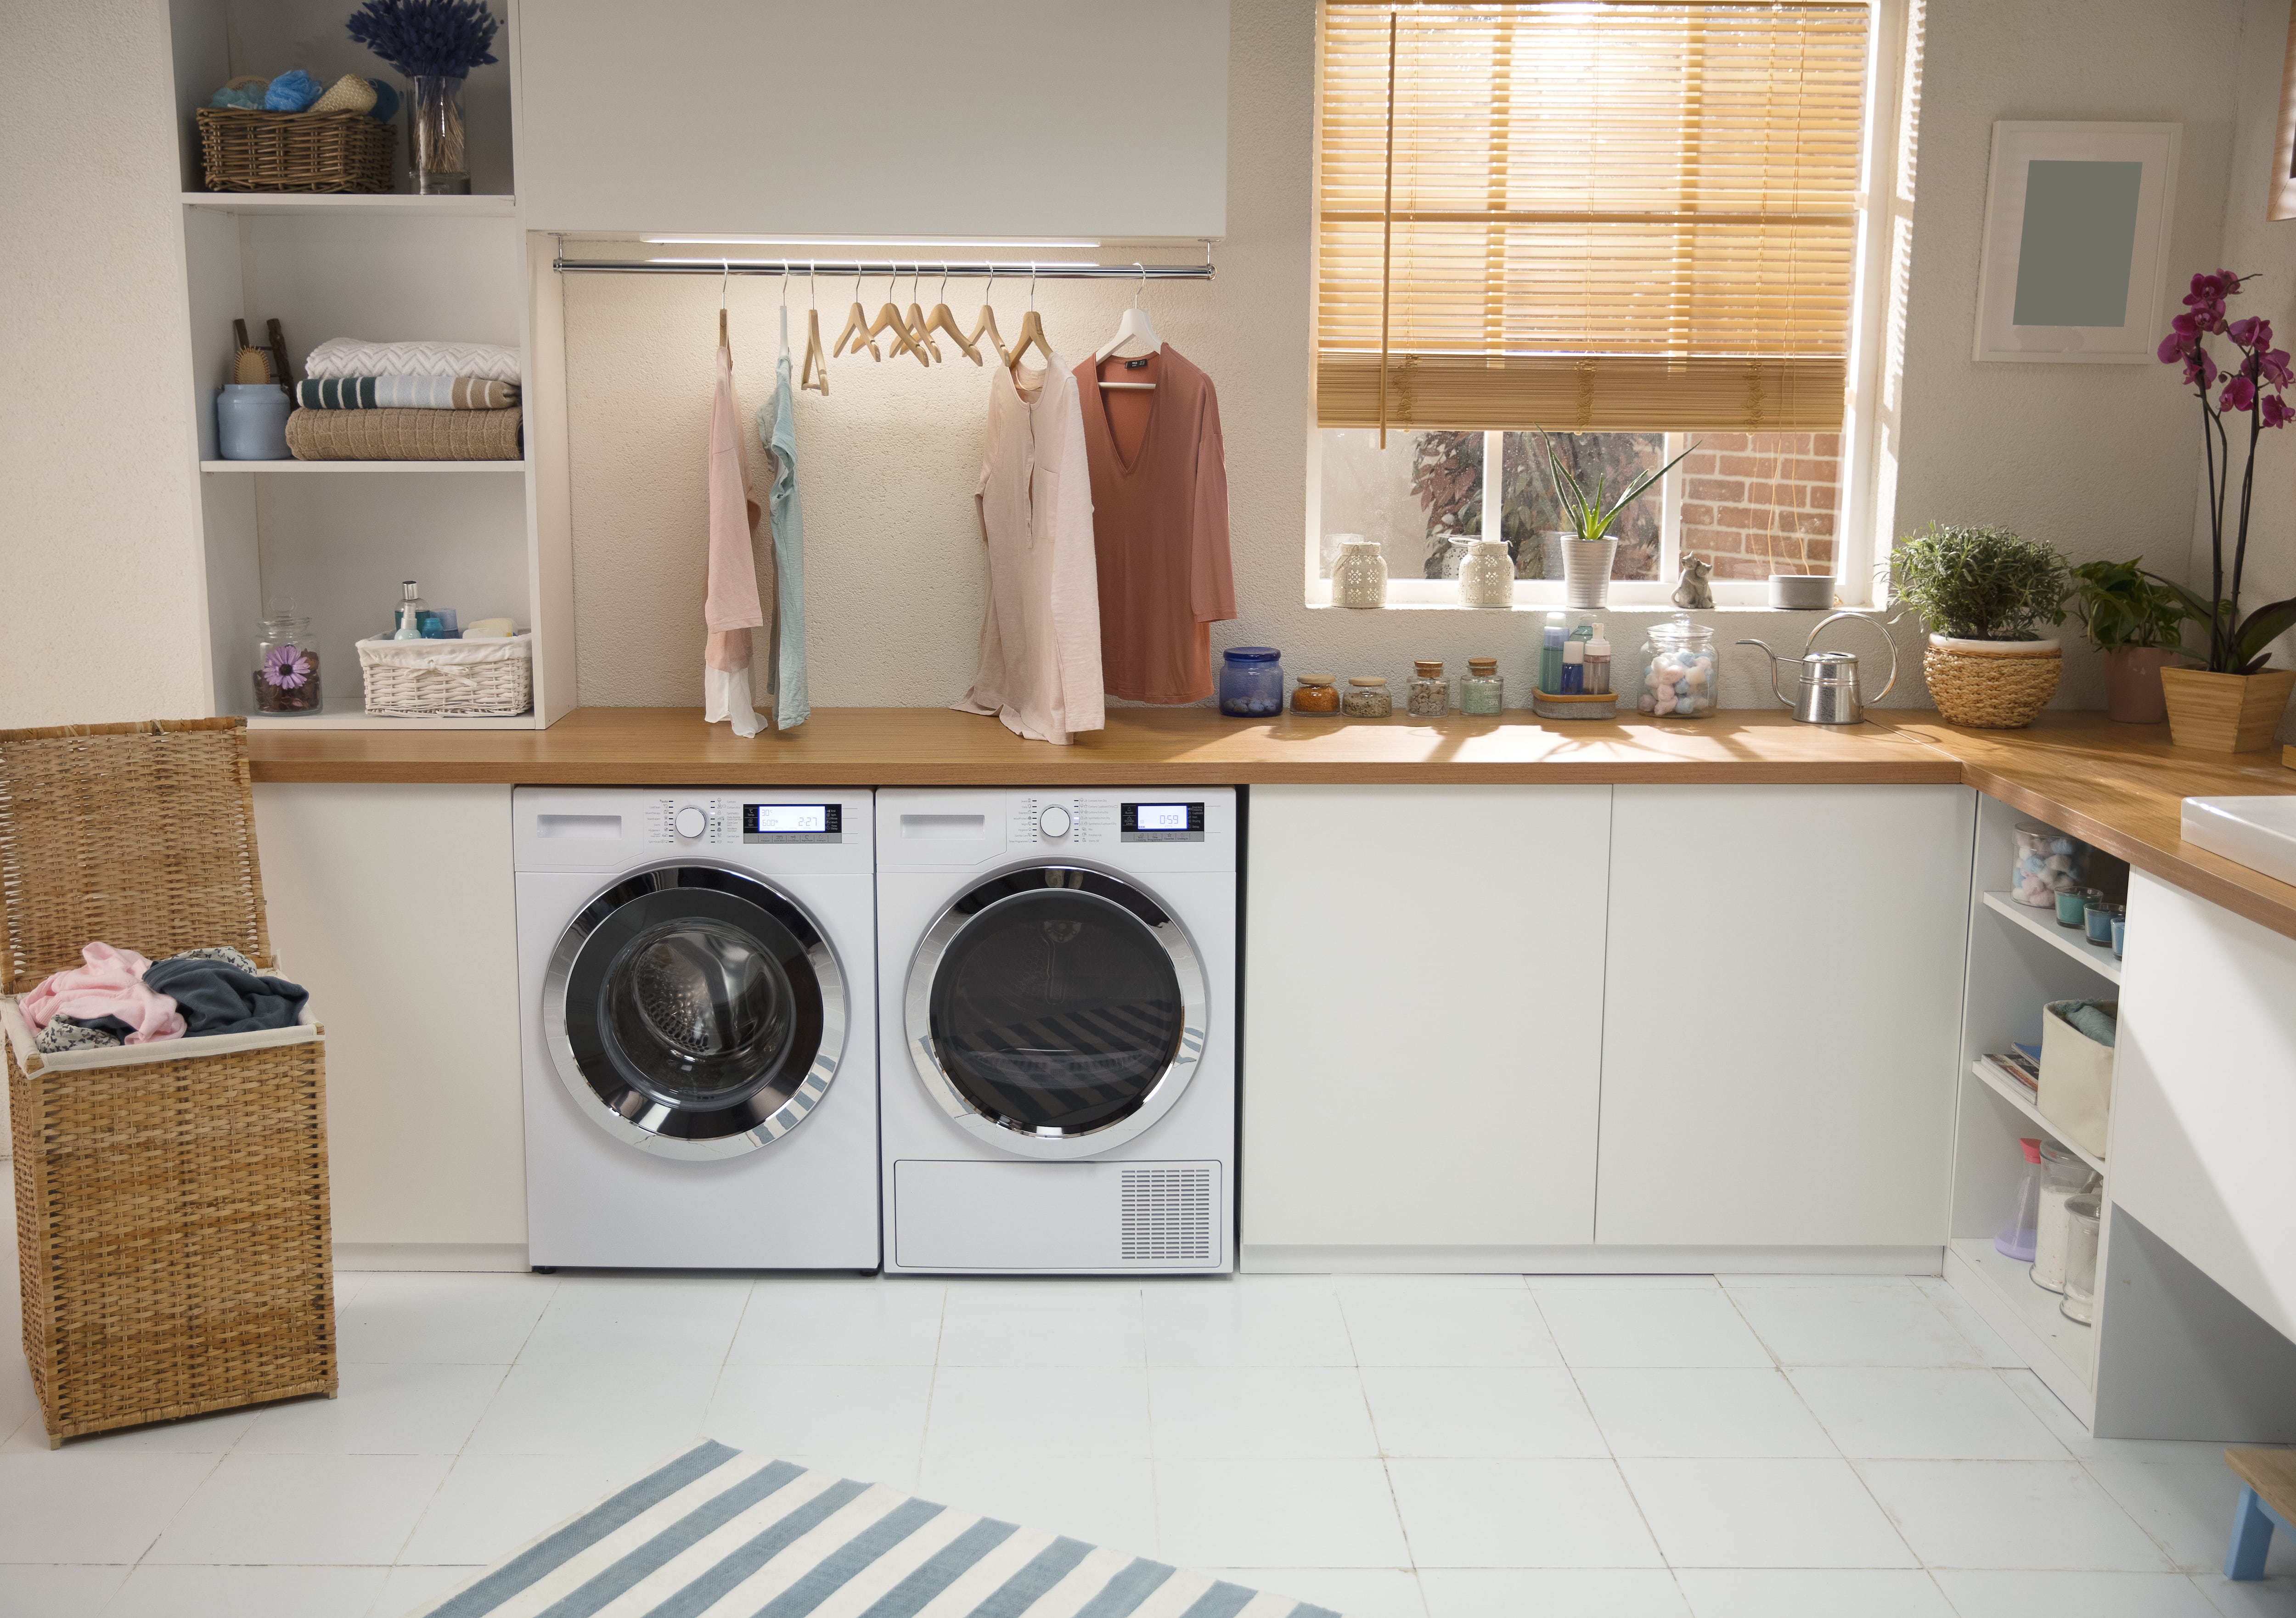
(999, 119)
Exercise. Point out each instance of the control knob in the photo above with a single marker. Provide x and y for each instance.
(1053, 821)
(693, 820)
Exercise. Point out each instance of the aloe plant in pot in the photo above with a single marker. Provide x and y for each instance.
(2234, 704)
(2137, 622)
(1981, 591)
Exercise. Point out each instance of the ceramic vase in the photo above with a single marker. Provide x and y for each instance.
(1360, 577)
(2225, 713)
(1487, 575)
(2132, 683)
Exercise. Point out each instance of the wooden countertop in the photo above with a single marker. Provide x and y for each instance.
(2117, 786)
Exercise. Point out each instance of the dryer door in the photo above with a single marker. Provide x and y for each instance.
(1055, 1011)
(695, 1011)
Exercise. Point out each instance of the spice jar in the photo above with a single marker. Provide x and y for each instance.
(2086, 1216)
(1316, 694)
(1250, 682)
(286, 666)
(1487, 575)
(1360, 577)
(2048, 863)
(1482, 691)
(1367, 698)
(1678, 669)
(2063, 1177)
(1429, 694)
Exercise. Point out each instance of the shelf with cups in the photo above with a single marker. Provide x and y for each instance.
(2070, 941)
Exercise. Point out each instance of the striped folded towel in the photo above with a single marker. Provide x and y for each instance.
(404, 393)
(354, 357)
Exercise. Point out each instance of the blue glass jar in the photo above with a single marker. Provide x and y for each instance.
(1250, 682)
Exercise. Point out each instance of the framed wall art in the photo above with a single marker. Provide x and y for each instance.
(2077, 219)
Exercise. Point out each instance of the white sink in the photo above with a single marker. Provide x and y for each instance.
(2257, 832)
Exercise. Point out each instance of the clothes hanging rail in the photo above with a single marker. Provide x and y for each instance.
(1002, 269)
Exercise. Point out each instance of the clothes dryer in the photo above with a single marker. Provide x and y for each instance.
(697, 974)
(1057, 977)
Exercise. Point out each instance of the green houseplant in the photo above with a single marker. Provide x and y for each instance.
(2137, 622)
(1589, 552)
(1981, 592)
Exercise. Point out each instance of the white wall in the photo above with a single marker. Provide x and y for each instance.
(101, 616)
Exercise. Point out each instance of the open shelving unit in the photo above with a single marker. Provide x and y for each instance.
(333, 538)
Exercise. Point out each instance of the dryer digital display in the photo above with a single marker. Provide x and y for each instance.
(1161, 822)
(792, 823)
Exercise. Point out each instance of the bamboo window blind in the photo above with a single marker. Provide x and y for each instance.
(1632, 215)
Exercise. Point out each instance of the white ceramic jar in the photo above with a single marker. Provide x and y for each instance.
(1360, 577)
(1487, 575)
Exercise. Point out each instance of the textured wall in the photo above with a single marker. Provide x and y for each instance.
(102, 616)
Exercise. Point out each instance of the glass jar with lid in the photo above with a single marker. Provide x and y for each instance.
(1487, 575)
(1316, 694)
(1429, 694)
(1679, 674)
(1482, 691)
(1250, 682)
(2048, 863)
(1367, 698)
(286, 665)
(1360, 577)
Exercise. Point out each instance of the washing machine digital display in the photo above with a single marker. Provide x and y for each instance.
(1161, 822)
(792, 822)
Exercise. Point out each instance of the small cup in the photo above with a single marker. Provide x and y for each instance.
(1801, 592)
(2120, 932)
(2072, 907)
(2098, 921)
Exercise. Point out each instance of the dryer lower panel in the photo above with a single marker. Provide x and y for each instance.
(1125, 1217)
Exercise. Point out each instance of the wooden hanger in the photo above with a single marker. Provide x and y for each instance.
(1032, 333)
(814, 371)
(857, 326)
(920, 329)
(988, 322)
(1135, 325)
(942, 320)
(890, 319)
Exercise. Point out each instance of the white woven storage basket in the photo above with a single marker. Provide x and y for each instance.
(406, 679)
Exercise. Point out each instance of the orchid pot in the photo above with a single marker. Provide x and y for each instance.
(2133, 693)
(2218, 713)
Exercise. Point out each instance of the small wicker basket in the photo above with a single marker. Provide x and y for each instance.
(476, 679)
(1991, 685)
(241, 149)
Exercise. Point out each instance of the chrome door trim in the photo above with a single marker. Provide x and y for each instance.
(640, 1126)
(1108, 888)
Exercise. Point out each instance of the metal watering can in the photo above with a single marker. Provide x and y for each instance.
(1828, 693)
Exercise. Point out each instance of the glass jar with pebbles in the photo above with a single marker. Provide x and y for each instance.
(1429, 694)
(1250, 682)
(1367, 698)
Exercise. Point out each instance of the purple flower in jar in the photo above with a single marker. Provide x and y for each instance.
(286, 667)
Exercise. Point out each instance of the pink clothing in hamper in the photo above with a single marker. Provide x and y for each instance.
(110, 985)
(730, 608)
(1040, 633)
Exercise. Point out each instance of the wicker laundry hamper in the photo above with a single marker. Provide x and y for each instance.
(171, 1197)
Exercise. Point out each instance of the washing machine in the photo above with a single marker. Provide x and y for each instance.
(696, 973)
(1057, 979)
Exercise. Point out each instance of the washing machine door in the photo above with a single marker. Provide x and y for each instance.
(695, 1011)
(1055, 1010)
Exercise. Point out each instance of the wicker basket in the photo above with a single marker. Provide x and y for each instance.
(329, 151)
(411, 679)
(1991, 685)
(171, 1198)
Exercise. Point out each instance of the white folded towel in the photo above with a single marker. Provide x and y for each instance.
(352, 356)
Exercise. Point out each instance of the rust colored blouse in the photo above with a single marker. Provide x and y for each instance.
(1160, 533)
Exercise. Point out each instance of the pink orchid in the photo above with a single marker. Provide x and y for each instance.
(2275, 411)
(2254, 332)
(2274, 363)
(2201, 368)
(2239, 393)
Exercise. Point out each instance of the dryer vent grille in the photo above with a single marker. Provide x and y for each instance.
(1168, 1215)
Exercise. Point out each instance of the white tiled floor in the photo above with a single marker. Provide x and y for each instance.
(1467, 1447)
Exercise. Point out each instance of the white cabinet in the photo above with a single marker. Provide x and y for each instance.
(1423, 1021)
(1783, 1014)
(997, 118)
(393, 906)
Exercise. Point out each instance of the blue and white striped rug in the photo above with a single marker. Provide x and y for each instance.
(717, 1533)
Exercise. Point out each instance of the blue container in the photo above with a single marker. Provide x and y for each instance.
(1250, 682)
(252, 421)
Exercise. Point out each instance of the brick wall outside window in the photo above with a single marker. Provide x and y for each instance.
(1758, 504)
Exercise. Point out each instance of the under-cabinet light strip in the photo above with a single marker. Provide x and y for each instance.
(915, 241)
(1005, 269)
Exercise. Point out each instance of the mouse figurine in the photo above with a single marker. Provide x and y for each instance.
(1694, 594)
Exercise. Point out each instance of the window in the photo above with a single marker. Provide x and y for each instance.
(1645, 227)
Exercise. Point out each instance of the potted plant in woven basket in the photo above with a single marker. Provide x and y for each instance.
(1981, 592)
(2234, 704)
(2138, 623)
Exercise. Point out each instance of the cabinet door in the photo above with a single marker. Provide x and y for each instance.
(1783, 1014)
(1423, 988)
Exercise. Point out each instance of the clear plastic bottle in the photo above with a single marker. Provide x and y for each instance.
(2017, 1232)
(1550, 656)
(1574, 668)
(406, 613)
(1598, 663)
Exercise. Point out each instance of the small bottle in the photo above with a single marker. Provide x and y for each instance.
(1574, 668)
(1316, 694)
(1483, 690)
(407, 615)
(2018, 1231)
(1367, 696)
(1550, 656)
(1429, 694)
(1598, 663)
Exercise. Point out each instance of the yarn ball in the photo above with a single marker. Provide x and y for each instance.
(348, 93)
(386, 103)
(292, 91)
(247, 96)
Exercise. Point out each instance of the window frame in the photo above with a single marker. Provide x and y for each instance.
(1869, 431)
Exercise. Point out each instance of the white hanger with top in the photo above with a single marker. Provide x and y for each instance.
(1134, 327)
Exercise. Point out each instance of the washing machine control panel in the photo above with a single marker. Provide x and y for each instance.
(1061, 822)
(1172, 822)
(683, 823)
